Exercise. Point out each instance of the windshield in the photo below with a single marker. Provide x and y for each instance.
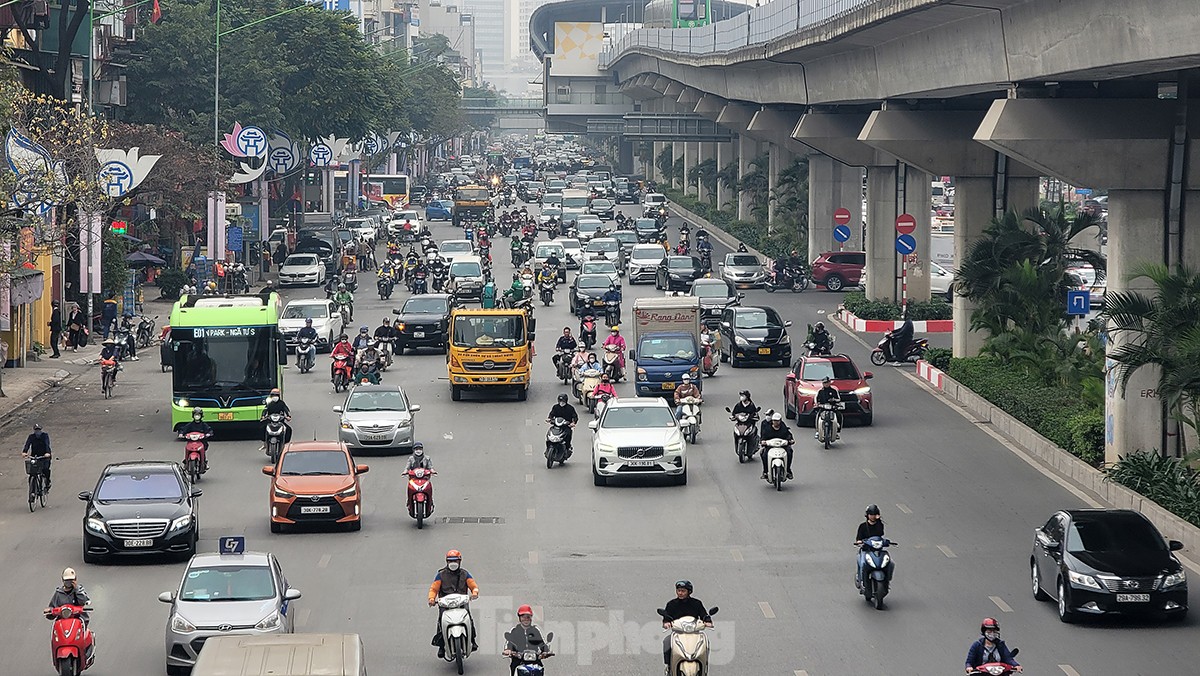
(397, 185)
(836, 370)
(314, 463)
(306, 311)
(489, 331)
(472, 194)
(359, 223)
(588, 226)
(680, 263)
(228, 359)
(550, 212)
(1113, 533)
(456, 247)
(465, 269)
(598, 268)
(376, 401)
(646, 224)
(545, 250)
(601, 204)
(655, 254)
(300, 260)
(741, 260)
(756, 319)
(625, 237)
(667, 348)
(637, 416)
(148, 486)
(575, 202)
(605, 245)
(425, 306)
(594, 282)
(710, 291)
(228, 583)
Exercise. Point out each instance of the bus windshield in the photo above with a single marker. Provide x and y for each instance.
(392, 185)
(232, 359)
(489, 331)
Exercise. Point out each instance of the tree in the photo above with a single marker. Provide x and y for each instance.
(666, 164)
(175, 175)
(704, 174)
(728, 178)
(756, 184)
(791, 199)
(52, 70)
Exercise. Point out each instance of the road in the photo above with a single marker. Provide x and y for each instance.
(594, 562)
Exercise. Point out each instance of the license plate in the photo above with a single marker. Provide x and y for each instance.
(418, 334)
(225, 416)
(374, 437)
(1133, 598)
(139, 543)
(598, 303)
(764, 350)
(319, 509)
(489, 379)
(641, 463)
(668, 386)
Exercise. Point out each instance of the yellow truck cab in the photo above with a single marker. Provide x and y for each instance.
(471, 203)
(489, 351)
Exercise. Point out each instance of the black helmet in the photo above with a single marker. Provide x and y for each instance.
(562, 398)
(820, 326)
(872, 509)
(684, 584)
(744, 393)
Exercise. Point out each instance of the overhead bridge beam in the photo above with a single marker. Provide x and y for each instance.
(672, 127)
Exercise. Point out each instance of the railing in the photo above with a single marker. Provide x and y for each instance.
(500, 104)
(587, 98)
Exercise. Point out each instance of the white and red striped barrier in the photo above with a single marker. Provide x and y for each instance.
(883, 326)
(926, 371)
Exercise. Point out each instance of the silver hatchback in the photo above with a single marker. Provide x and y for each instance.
(743, 269)
(224, 595)
(377, 417)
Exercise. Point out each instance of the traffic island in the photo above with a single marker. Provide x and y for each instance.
(854, 323)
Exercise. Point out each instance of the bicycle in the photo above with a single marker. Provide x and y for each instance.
(37, 480)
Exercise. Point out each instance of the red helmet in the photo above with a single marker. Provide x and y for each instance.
(454, 555)
(524, 610)
(989, 624)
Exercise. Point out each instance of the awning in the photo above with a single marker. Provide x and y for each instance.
(27, 286)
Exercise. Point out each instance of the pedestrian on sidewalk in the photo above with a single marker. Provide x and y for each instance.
(55, 328)
(109, 315)
(76, 323)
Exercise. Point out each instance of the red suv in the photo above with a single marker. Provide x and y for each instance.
(835, 270)
(801, 384)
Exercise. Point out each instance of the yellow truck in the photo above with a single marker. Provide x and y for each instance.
(471, 203)
(489, 351)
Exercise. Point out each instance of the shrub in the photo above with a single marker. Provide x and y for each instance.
(1166, 481)
(1087, 436)
(939, 357)
(754, 235)
(170, 282)
(857, 303)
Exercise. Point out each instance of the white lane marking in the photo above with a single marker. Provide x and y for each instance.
(946, 550)
(869, 473)
(1068, 670)
(533, 558)
(529, 513)
(766, 610)
(1004, 607)
(528, 478)
(324, 562)
(801, 672)
(528, 449)
(529, 422)
(302, 617)
(714, 512)
(737, 554)
(448, 436)
(903, 508)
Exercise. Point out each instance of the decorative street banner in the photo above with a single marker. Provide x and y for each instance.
(123, 170)
(41, 181)
(326, 152)
(283, 154)
(216, 225)
(251, 144)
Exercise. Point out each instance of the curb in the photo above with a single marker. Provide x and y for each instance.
(927, 372)
(883, 326)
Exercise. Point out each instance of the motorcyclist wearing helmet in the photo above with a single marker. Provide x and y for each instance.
(363, 339)
(989, 648)
(71, 593)
(418, 458)
(615, 338)
(344, 297)
(364, 374)
(565, 342)
(794, 261)
(604, 387)
(683, 605)
(580, 357)
(563, 409)
(828, 394)
(686, 389)
(343, 348)
(385, 335)
(742, 248)
(524, 636)
(777, 430)
(871, 528)
(898, 342)
(275, 404)
(308, 331)
(547, 275)
(515, 292)
(747, 406)
(613, 294)
(198, 425)
(821, 341)
(453, 579)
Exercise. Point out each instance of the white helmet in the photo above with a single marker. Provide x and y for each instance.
(775, 417)
(68, 574)
(687, 377)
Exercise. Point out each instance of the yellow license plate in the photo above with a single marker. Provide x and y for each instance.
(764, 350)
(668, 386)
(225, 416)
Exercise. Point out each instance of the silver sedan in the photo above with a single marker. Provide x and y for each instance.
(377, 417)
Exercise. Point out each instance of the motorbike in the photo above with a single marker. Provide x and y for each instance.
(689, 645)
(195, 449)
(776, 450)
(419, 285)
(689, 421)
(819, 351)
(587, 331)
(563, 370)
(546, 291)
(789, 278)
(877, 570)
(529, 662)
(882, 352)
(598, 404)
(706, 259)
(439, 279)
(827, 426)
(556, 442)
(342, 373)
(528, 283)
(745, 435)
(276, 434)
(709, 360)
(996, 668)
(612, 312)
(612, 363)
(72, 644)
(108, 377)
(591, 378)
(456, 628)
(306, 354)
(518, 257)
(385, 286)
(350, 279)
(145, 331)
(344, 311)
(420, 494)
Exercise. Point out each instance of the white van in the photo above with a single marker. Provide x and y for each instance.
(282, 655)
(654, 199)
(939, 193)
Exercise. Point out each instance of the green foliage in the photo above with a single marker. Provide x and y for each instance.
(114, 271)
(856, 302)
(1166, 481)
(666, 164)
(939, 357)
(170, 282)
(1054, 411)
(704, 174)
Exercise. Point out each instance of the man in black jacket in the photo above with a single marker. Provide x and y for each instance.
(567, 412)
(683, 605)
(828, 394)
(777, 430)
(55, 328)
(871, 528)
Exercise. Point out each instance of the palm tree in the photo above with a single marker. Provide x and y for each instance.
(791, 197)
(666, 164)
(1161, 331)
(705, 174)
(728, 178)
(756, 184)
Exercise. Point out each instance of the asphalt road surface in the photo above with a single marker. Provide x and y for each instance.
(594, 562)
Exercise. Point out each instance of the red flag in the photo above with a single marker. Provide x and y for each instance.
(156, 13)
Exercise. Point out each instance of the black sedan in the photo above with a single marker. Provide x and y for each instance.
(423, 321)
(751, 334)
(1107, 562)
(648, 231)
(140, 508)
(676, 273)
(715, 295)
(628, 193)
(586, 293)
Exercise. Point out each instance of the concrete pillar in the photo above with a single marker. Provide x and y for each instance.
(691, 155)
(881, 233)
(725, 153)
(625, 156)
(832, 185)
(656, 173)
(917, 202)
(973, 211)
(677, 151)
(748, 149)
(780, 159)
(1022, 193)
(707, 151)
(1133, 421)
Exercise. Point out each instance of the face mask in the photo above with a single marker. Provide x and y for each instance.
(453, 565)
(745, 399)
(991, 635)
(273, 398)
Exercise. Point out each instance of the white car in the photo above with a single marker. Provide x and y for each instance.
(940, 281)
(324, 315)
(543, 250)
(654, 199)
(363, 228)
(411, 215)
(1086, 276)
(643, 262)
(638, 437)
(300, 269)
(587, 227)
(574, 251)
(456, 248)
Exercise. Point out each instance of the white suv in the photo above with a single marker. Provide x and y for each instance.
(637, 437)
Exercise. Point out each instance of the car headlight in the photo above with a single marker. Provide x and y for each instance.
(675, 448)
(347, 426)
(605, 448)
(348, 493)
(280, 493)
(1081, 580)
(183, 403)
(270, 622)
(1175, 579)
(96, 526)
(181, 625)
(786, 340)
(740, 341)
(180, 523)
(862, 390)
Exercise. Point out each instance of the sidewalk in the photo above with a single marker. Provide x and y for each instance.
(22, 385)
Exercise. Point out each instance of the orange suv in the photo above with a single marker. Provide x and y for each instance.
(802, 383)
(315, 482)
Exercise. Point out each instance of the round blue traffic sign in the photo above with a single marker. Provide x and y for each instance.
(841, 233)
(906, 244)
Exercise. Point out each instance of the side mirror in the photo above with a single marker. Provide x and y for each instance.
(337, 409)
(282, 344)
(662, 613)
(85, 495)
(592, 424)
(269, 470)
(549, 637)
(291, 594)
(196, 492)
(714, 610)
(787, 323)
(728, 410)
(742, 295)
(414, 408)
(1174, 545)
(790, 376)
(395, 310)
(167, 597)
(633, 355)
(724, 325)
(361, 469)
(867, 375)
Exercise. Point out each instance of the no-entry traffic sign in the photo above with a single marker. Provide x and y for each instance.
(841, 216)
(905, 224)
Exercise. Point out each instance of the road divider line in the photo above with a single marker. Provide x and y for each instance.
(528, 449)
(1068, 670)
(533, 558)
(528, 478)
(801, 672)
(946, 550)
(529, 422)
(766, 610)
(714, 512)
(529, 513)
(869, 473)
(737, 555)
(903, 508)
(1004, 607)
(324, 562)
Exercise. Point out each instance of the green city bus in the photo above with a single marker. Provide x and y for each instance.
(227, 355)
